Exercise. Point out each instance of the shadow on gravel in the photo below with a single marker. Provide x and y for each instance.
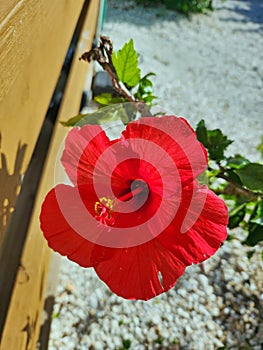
(144, 16)
(251, 10)
(255, 11)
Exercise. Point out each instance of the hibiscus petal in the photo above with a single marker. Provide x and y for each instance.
(83, 147)
(60, 235)
(176, 138)
(199, 229)
(141, 272)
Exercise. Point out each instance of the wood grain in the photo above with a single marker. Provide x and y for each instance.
(34, 37)
(24, 316)
(33, 45)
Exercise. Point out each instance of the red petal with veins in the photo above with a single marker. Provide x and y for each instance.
(140, 272)
(176, 138)
(83, 146)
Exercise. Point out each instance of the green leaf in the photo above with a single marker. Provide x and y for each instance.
(217, 144)
(201, 133)
(125, 62)
(103, 118)
(230, 237)
(145, 90)
(236, 216)
(104, 115)
(255, 234)
(237, 162)
(214, 140)
(260, 147)
(255, 225)
(252, 176)
(258, 214)
(73, 121)
(148, 99)
(107, 99)
(234, 177)
(187, 6)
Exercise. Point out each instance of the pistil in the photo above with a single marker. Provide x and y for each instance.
(138, 190)
(104, 207)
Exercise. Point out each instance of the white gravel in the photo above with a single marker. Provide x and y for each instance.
(211, 67)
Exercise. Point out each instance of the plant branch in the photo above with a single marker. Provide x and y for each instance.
(102, 54)
(234, 189)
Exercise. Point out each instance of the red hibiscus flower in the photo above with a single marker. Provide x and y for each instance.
(135, 212)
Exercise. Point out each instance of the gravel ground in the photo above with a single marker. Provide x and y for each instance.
(210, 67)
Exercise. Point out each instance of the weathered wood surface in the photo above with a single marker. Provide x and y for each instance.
(34, 37)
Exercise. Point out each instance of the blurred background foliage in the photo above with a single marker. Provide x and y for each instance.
(184, 6)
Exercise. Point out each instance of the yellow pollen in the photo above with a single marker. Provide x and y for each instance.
(104, 202)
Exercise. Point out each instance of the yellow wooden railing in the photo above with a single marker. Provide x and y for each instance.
(34, 38)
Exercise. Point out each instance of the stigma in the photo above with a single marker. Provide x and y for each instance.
(103, 209)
